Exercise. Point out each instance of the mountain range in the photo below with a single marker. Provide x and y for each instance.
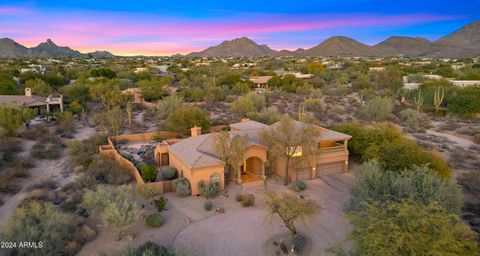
(464, 42)
(12, 49)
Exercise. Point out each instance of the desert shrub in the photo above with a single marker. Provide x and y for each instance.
(377, 109)
(154, 220)
(108, 171)
(242, 107)
(34, 132)
(48, 148)
(85, 234)
(160, 204)
(409, 228)
(65, 122)
(12, 118)
(39, 222)
(147, 191)
(9, 147)
(476, 138)
(187, 117)
(313, 105)
(149, 173)
(168, 105)
(169, 173)
(269, 115)
(299, 186)
(181, 186)
(238, 197)
(115, 206)
(208, 205)
(148, 249)
(465, 101)
(410, 117)
(208, 190)
(419, 184)
(248, 200)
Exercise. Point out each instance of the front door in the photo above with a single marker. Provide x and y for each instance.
(165, 159)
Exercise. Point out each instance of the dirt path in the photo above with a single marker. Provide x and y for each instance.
(464, 143)
(44, 170)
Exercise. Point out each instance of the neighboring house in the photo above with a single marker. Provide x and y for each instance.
(260, 82)
(298, 75)
(42, 104)
(196, 160)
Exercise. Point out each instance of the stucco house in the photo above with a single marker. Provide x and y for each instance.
(196, 160)
(42, 105)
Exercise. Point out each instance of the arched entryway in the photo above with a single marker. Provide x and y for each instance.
(252, 169)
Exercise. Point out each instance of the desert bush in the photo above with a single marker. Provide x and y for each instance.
(186, 117)
(147, 191)
(419, 184)
(269, 115)
(115, 206)
(377, 109)
(410, 117)
(39, 222)
(48, 148)
(248, 200)
(149, 173)
(208, 190)
(169, 173)
(208, 205)
(154, 220)
(148, 249)
(168, 105)
(109, 171)
(476, 138)
(242, 107)
(408, 228)
(12, 118)
(9, 147)
(181, 186)
(299, 186)
(85, 234)
(34, 132)
(160, 203)
(238, 197)
(313, 105)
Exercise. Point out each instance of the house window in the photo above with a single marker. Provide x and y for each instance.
(295, 151)
(215, 178)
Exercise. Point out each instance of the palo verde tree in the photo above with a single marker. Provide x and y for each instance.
(230, 149)
(290, 209)
(289, 138)
(12, 117)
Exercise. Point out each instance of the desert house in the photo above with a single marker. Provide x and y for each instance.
(195, 158)
(260, 82)
(43, 105)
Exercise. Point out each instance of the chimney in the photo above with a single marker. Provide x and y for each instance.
(28, 92)
(195, 131)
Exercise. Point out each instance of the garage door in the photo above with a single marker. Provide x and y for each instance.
(304, 174)
(329, 168)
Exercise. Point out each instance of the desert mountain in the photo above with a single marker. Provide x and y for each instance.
(407, 46)
(341, 46)
(50, 49)
(101, 54)
(236, 47)
(11, 49)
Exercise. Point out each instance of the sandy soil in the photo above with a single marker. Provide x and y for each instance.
(44, 170)
(239, 231)
(464, 143)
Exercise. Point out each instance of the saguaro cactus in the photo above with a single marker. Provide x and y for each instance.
(418, 101)
(438, 98)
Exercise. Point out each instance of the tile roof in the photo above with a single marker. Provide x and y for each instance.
(22, 100)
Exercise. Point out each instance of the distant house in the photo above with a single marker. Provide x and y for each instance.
(260, 82)
(376, 69)
(140, 70)
(466, 83)
(41, 104)
(298, 75)
(196, 160)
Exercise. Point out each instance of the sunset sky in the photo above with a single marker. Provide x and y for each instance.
(169, 27)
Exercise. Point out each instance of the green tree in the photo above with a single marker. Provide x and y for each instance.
(112, 120)
(187, 117)
(115, 206)
(290, 209)
(154, 88)
(103, 72)
(41, 223)
(12, 118)
(242, 107)
(377, 185)
(390, 78)
(465, 102)
(7, 85)
(39, 87)
(230, 149)
(408, 228)
(289, 139)
(377, 109)
(168, 105)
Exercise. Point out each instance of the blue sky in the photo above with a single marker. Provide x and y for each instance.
(168, 27)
